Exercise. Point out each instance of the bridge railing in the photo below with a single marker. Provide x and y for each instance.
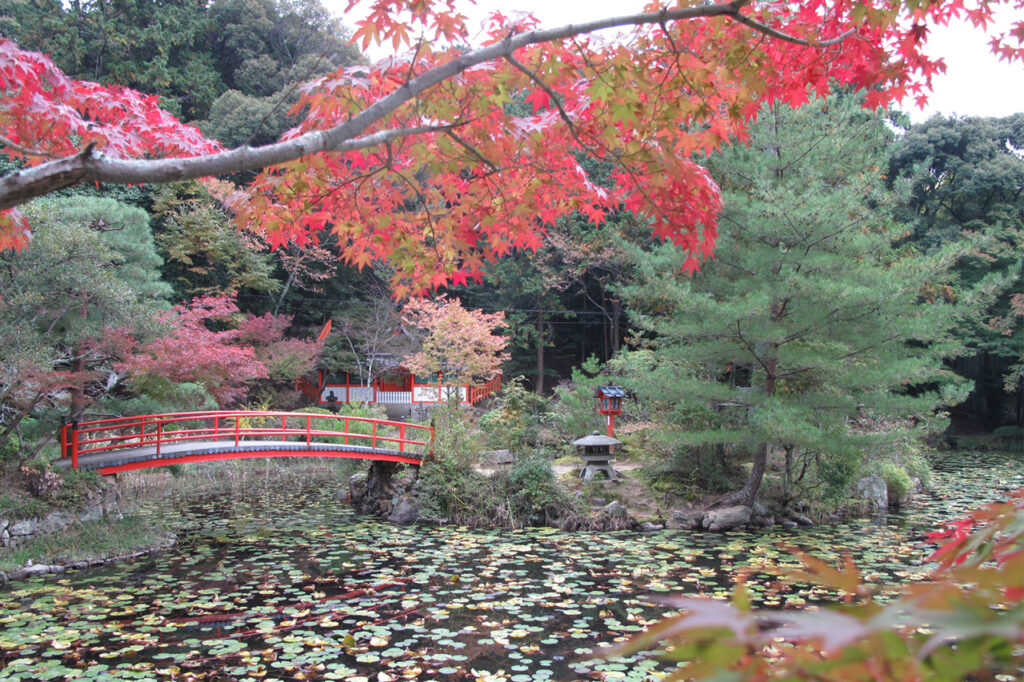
(238, 427)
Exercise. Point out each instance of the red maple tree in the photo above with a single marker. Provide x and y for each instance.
(446, 157)
(193, 352)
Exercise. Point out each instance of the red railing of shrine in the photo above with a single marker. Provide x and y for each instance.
(478, 393)
(240, 427)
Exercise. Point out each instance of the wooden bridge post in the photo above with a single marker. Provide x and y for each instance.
(74, 444)
(401, 438)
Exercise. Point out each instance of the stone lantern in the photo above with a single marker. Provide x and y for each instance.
(609, 403)
(596, 451)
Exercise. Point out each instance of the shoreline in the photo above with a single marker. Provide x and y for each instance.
(169, 540)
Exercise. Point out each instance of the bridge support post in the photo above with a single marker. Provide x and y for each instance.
(74, 444)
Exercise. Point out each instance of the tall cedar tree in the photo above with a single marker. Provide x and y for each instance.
(808, 317)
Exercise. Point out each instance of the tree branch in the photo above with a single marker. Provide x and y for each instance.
(28, 184)
(551, 94)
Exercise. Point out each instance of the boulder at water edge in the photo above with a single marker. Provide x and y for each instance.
(727, 517)
(873, 489)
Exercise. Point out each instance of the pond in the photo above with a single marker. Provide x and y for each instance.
(297, 587)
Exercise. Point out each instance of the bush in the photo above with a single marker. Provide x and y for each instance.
(359, 427)
(516, 424)
(896, 480)
(691, 471)
(574, 414)
(452, 493)
(9, 450)
(451, 490)
(528, 494)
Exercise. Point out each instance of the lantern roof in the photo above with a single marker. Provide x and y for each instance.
(611, 391)
(596, 439)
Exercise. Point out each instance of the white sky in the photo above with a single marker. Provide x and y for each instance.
(975, 84)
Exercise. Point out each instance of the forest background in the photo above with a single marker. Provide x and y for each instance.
(104, 331)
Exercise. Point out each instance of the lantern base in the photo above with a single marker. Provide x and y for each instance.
(595, 468)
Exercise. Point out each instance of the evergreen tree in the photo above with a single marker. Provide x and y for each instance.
(808, 319)
(91, 277)
(966, 176)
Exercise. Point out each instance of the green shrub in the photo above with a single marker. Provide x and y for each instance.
(528, 494)
(452, 493)
(573, 413)
(76, 487)
(454, 440)
(917, 467)
(516, 423)
(836, 471)
(896, 479)
(690, 471)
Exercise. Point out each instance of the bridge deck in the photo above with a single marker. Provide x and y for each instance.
(201, 450)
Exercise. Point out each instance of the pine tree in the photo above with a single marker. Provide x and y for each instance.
(810, 317)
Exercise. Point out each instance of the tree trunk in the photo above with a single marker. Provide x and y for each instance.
(77, 369)
(616, 325)
(748, 493)
(540, 353)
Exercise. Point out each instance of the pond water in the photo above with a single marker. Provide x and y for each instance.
(297, 587)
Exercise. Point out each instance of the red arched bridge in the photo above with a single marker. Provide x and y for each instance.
(110, 446)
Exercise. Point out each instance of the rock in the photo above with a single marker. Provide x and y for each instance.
(406, 511)
(24, 527)
(357, 486)
(758, 509)
(35, 569)
(873, 489)
(614, 509)
(684, 519)
(727, 517)
(93, 513)
(54, 521)
(802, 520)
(648, 527)
(499, 457)
(786, 523)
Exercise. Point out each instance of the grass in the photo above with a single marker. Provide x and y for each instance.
(110, 537)
(16, 505)
(197, 480)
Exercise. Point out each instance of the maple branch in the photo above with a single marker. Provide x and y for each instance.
(27, 151)
(27, 184)
(473, 150)
(774, 33)
(551, 94)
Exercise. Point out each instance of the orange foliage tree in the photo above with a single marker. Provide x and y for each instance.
(458, 344)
